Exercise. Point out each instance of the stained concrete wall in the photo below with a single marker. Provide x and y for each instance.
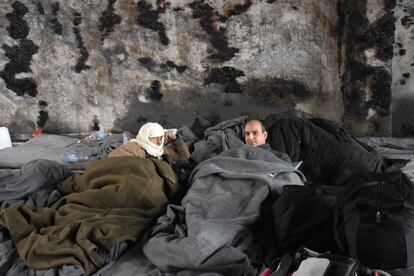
(71, 66)
(368, 39)
(74, 66)
(403, 70)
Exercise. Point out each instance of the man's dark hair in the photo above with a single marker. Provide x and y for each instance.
(256, 119)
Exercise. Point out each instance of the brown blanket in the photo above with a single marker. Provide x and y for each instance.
(114, 200)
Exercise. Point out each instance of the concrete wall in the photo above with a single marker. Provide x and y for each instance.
(368, 38)
(73, 66)
(403, 70)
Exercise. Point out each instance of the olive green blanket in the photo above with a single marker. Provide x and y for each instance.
(114, 200)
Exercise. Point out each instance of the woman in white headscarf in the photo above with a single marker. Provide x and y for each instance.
(150, 143)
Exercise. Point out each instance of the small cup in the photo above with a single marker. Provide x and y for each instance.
(171, 130)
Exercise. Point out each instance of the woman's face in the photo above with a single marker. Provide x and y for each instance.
(156, 140)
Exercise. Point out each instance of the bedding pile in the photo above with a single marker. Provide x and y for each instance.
(115, 200)
(232, 209)
(210, 231)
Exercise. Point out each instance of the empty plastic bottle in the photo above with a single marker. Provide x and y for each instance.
(73, 157)
(99, 135)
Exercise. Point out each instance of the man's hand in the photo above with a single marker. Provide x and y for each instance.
(169, 136)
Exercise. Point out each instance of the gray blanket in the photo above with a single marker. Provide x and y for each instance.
(210, 231)
(32, 183)
(221, 137)
(54, 147)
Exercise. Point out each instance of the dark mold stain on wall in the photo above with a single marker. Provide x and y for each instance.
(407, 21)
(43, 114)
(108, 20)
(42, 118)
(154, 92)
(151, 66)
(147, 63)
(359, 77)
(148, 18)
(40, 8)
(217, 37)
(240, 8)
(170, 64)
(379, 34)
(81, 64)
(18, 28)
(20, 56)
(227, 76)
(381, 90)
(56, 25)
(146, 60)
(95, 124)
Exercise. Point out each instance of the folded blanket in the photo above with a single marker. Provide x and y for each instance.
(115, 200)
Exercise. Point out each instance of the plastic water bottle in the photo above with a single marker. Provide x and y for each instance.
(99, 135)
(73, 157)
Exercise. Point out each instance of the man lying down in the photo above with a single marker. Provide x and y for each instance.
(214, 228)
(115, 200)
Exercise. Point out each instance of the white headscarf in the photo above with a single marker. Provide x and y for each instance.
(145, 132)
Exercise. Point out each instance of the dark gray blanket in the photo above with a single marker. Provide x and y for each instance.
(210, 231)
(394, 148)
(221, 137)
(32, 183)
(327, 159)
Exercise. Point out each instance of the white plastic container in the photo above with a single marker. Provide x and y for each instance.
(171, 130)
(5, 141)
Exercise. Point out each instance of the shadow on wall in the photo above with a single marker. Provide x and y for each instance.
(402, 117)
(277, 91)
(258, 97)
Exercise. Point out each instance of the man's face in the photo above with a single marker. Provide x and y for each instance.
(156, 140)
(254, 135)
